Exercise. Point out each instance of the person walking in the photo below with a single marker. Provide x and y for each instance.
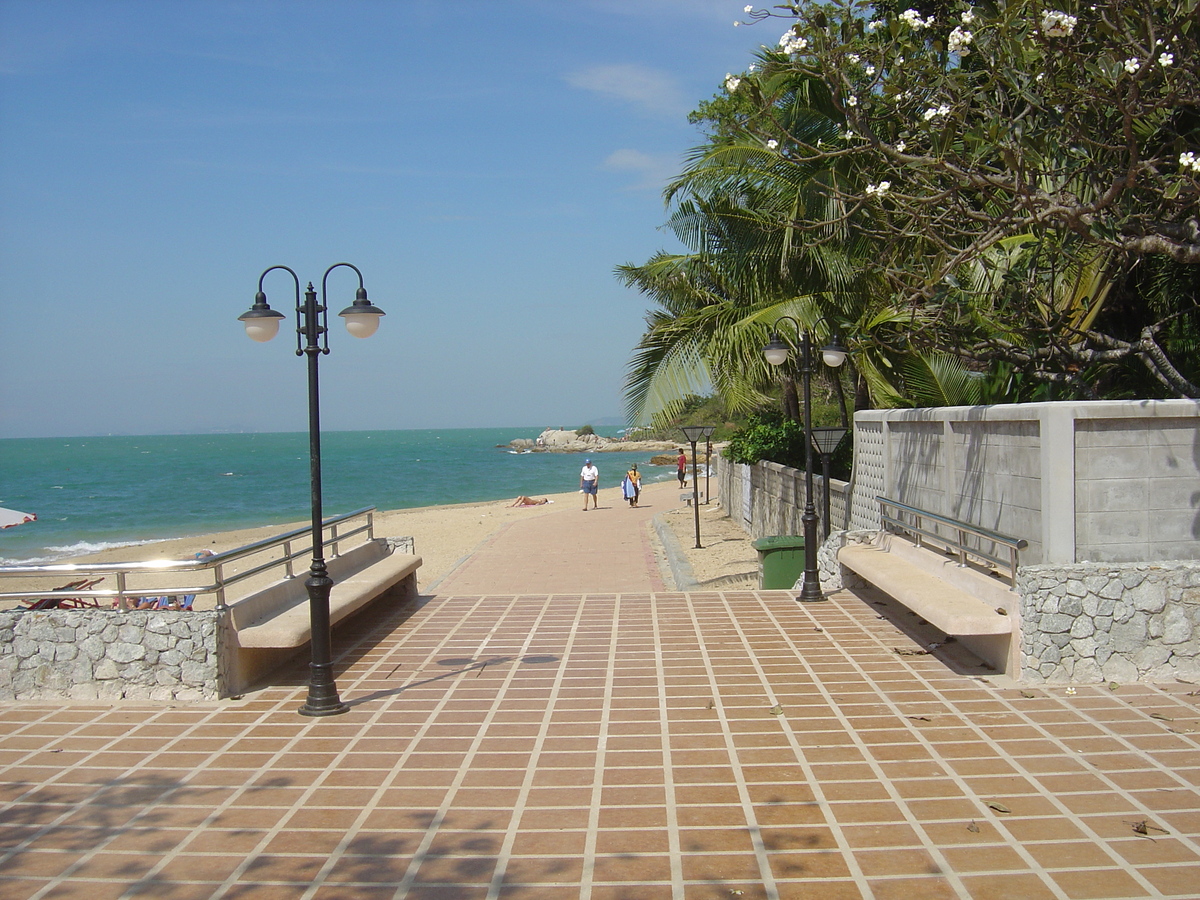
(589, 483)
(681, 468)
(631, 487)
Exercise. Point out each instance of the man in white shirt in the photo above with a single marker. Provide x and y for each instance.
(589, 483)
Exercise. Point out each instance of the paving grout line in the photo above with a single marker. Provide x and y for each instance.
(587, 880)
(1051, 796)
(752, 825)
(674, 844)
(1112, 786)
(419, 854)
(351, 832)
(65, 875)
(951, 773)
(511, 833)
(97, 794)
(270, 834)
(927, 844)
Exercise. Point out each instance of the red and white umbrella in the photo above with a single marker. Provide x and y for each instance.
(12, 517)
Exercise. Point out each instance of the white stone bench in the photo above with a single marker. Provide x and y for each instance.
(267, 629)
(687, 497)
(289, 626)
(959, 601)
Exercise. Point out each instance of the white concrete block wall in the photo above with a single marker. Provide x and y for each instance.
(1107, 481)
(1138, 494)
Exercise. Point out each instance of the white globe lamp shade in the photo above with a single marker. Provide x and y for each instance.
(361, 325)
(776, 352)
(833, 356)
(362, 318)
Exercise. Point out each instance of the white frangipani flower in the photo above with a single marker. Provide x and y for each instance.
(878, 190)
(790, 42)
(960, 41)
(1058, 24)
(1132, 65)
(1189, 160)
(852, 101)
(874, 25)
(968, 18)
(772, 144)
(901, 146)
(936, 112)
(913, 19)
(731, 82)
(748, 9)
(1166, 59)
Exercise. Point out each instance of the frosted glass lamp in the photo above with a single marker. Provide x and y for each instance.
(362, 318)
(262, 322)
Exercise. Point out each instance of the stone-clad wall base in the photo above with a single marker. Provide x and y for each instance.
(1118, 622)
(99, 654)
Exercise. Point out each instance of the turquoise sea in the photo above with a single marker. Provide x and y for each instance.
(90, 493)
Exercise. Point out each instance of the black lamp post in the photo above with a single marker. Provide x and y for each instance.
(694, 434)
(312, 339)
(834, 354)
(826, 440)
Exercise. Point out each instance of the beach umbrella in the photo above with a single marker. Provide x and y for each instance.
(11, 517)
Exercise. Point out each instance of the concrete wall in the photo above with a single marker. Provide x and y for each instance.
(768, 499)
(1109, 481)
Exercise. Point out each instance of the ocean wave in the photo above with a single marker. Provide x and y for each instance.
(83, 548)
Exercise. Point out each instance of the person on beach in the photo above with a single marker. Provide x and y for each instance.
(631, 487)
(589, 483)
(529, 501)
(681, 468)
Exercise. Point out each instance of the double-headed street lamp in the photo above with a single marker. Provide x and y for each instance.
(695, 434)
(833, 354)
(312, 339)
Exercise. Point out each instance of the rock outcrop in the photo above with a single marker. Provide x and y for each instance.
(555, 440)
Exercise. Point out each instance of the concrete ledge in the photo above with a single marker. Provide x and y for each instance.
(288, 626)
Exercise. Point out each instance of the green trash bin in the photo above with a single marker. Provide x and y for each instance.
(781, 561)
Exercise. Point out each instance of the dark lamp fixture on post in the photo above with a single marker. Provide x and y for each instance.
(827, 440)
(694, 434)
(833, 354)
(312, 340)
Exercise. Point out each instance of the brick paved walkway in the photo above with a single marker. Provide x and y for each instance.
(614, 746)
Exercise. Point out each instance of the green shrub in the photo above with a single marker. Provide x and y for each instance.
(586, 429)
(769, 437)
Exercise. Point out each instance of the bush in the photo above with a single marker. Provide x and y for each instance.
(768, 437)
(586, 429)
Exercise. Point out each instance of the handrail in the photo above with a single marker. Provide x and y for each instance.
(957, 544)
(217, 562)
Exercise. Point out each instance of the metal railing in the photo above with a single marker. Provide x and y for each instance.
(338, 530)
(954, 542)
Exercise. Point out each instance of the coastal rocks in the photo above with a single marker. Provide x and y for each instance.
(555, 440)
(1095, 622)
(108, 655)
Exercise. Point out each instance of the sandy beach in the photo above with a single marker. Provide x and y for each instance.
(444, 535)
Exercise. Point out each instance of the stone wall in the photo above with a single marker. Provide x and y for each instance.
(97, 654)
(1092, 622)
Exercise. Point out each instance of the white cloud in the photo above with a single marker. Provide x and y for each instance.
(650, 90)
(652, 171)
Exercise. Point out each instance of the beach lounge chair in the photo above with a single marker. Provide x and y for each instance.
(67, 602)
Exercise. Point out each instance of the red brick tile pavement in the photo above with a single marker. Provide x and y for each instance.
(624, 744)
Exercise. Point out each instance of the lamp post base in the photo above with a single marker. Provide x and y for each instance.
(323, 700)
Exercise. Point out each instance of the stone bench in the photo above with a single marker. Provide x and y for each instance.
(959, 601)
(687, 497)
(270, 626)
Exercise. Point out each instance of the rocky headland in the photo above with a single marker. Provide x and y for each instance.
(555, 440)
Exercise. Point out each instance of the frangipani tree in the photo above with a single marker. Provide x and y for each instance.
(1073, 129)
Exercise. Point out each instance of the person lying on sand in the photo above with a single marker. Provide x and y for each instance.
(528, 501)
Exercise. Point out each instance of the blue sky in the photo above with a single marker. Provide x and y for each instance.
(485, 164)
